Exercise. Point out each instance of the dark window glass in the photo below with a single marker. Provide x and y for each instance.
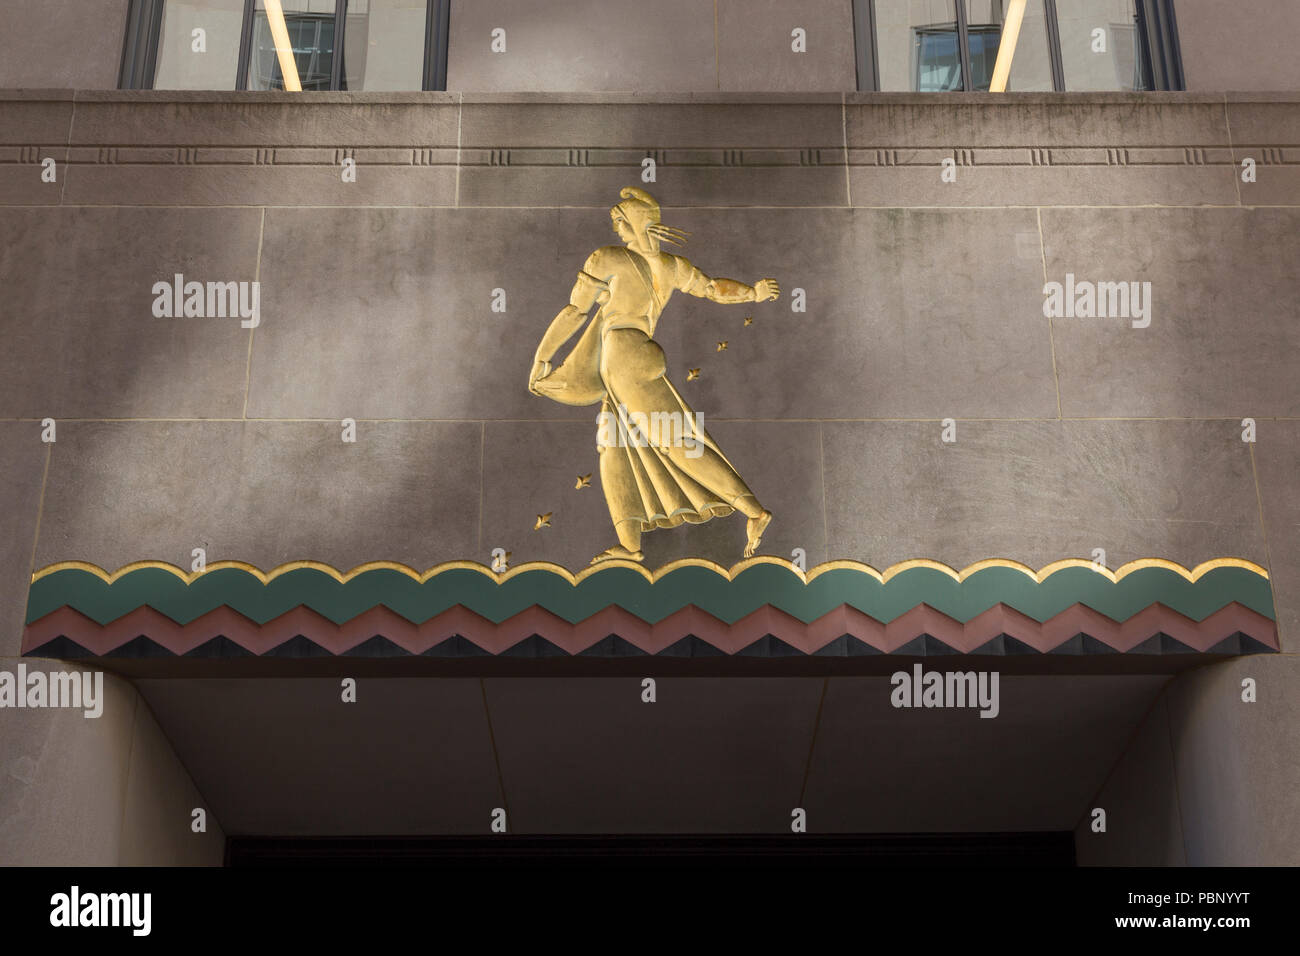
(948, 45)
(937, 59)
(983, 54)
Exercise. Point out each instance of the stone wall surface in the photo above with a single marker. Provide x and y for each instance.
(1208, 779)
(97, 791)
(72, 44)
(924, 303)
(1248, 45)
(667, 46)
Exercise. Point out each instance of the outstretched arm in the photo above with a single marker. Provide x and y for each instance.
(731, 292)
(724, 291)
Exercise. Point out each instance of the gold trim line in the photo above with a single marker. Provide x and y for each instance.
(266, 577)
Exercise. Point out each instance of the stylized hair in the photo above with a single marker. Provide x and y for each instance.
(642, 211)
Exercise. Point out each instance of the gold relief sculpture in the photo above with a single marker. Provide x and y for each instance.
(650, 481)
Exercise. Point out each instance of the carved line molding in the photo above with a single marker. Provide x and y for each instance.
(830, 156)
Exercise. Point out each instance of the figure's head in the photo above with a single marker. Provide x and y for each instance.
(637, 221)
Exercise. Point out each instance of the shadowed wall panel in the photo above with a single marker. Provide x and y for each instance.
(61, 44)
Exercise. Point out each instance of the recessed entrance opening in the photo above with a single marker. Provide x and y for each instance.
(956, 850)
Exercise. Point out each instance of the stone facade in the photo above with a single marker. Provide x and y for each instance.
(925, 303)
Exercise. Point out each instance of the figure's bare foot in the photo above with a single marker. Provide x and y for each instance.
(618, 552)
(754, 529)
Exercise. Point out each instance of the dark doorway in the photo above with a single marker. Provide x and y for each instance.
(956, 850)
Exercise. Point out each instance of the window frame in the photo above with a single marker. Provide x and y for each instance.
(144, 21)
(1156, 35)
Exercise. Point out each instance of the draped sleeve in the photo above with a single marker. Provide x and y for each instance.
(688, 277)
(588, 275)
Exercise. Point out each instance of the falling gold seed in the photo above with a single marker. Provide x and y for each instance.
(722, 346)
(692, 374)
(584, 481)
(543, 521)
(749, 320)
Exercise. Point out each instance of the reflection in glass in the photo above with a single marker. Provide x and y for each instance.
(383, 46)
(215, 62)
(936, 61)
(310, 26)
(1100, 49)
(916, 48)
(1031, 68)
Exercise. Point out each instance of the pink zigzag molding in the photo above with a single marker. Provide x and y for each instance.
(651, 638)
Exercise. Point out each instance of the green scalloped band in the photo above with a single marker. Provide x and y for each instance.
(729, 600)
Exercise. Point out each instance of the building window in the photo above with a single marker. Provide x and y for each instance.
(937, 62)
(1085, 25)
(286, 45)
(930, 46)
(309, 62)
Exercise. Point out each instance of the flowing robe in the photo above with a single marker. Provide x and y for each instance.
(668, 475)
